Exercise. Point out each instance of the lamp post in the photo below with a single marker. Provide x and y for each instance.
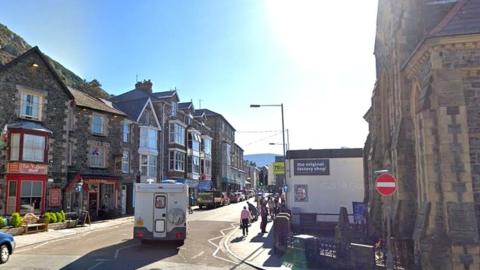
(389, 263)
(283, 137)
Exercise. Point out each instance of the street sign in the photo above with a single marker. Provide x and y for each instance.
(386, 184)
(278, 168)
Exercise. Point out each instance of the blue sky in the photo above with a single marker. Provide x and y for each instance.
(315, 57)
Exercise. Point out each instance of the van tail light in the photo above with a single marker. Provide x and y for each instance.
(139, 234)
(180, 235)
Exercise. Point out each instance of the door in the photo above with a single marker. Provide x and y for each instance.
(124, 199)
(93, 203)
(12, 197)
(160, 215)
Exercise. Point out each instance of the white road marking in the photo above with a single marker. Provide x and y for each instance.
(118, 249)
(214, 254)
(198, 255)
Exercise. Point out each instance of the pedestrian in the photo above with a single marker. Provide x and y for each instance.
(264, 215)
(245, 217)
(271, 208)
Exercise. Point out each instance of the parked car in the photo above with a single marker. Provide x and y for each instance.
(226, 199)
(234, 198)
(7, 245)
(241, 196)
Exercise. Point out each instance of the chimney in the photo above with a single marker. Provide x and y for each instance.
(146, 86)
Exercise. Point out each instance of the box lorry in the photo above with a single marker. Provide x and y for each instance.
(161, 211)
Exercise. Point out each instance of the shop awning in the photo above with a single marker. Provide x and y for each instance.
(91, 179)
(29, 125)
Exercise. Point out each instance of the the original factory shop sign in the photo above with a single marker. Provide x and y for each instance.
(311, 167)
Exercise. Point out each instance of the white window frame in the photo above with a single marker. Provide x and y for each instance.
(15, 146)
(92, 129)
(126, 161)
(174, 108)
(151, 166)
(126, 131)
(102, 161)
(178, 161)
(146, 134)
(176, 133)
(38, 109)
(33, 150)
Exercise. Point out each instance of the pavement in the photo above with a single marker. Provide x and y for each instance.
(26, 240)
(255, 249)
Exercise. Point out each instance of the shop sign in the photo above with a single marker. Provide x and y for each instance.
(27, 168)
(55, 197)
(279, 168)
(311, 167)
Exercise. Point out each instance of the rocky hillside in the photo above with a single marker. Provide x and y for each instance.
(12, 45)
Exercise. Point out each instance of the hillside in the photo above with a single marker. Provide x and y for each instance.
(12, 45)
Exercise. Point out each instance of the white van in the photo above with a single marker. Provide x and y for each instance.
(161, 211)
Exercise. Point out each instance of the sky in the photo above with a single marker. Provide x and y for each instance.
(315, 57)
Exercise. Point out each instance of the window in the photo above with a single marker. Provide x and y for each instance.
(33, 148)
(194, 141)
(193, 164)
(31, 106)
(207, 147)
(125, 161)
(30, 196)
(160, 201)
(174, 108)
(126, 131)
(148, 138)
(148, 165)
(14, 146)
(177, 161)
(176, 134)
(97, 124)
(70, 154)
(97, 156)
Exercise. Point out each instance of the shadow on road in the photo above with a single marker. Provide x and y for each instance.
(131, 254)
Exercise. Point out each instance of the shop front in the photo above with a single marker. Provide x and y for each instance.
(99, 195)
(26, 187)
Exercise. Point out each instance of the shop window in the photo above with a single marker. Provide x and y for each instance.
(14, 146)
(31, 106)
(31, 196)
(33, 148)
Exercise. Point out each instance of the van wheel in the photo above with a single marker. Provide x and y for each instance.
(4, 254)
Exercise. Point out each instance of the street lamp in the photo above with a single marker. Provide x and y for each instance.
(283, 137)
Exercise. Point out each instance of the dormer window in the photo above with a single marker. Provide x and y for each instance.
(174, 108)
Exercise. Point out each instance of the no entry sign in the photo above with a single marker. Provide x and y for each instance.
(386, 184)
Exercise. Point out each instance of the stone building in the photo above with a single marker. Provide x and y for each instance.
(94, 155)
(424, 127)
(222, 148)
(33, 115)
(238, 168)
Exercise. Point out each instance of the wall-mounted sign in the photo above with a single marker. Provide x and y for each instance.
(27, 168)
(311, 167)
(55, 197)
(279, 168)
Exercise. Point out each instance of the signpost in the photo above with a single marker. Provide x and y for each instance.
(386, 185)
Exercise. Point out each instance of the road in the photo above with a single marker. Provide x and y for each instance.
(114, 248)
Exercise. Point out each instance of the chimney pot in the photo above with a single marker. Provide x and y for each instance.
(145, 85)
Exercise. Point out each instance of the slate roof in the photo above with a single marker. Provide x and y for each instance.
(84, 100)
(184, 105)
(208, 112)
(325, 153)
(28, 125)
(164, 94)
(131, 95)
(132, 108)
(463, 19)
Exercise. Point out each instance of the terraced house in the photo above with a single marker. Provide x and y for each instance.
(424, 126)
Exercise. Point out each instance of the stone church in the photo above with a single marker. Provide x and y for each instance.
(424, 128)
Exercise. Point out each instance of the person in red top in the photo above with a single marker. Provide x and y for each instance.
(245, 217)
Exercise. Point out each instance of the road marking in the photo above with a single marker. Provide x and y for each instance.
(117, 251)
(214, 254)
(94, 266)
(198, 255)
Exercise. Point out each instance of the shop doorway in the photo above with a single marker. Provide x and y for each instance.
(93, 203)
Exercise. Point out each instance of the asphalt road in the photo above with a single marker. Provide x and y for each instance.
(114, 248)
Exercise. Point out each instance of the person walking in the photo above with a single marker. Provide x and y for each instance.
(264, 215)
(245, 217)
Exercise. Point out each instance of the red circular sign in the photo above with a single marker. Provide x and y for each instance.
(386, 184)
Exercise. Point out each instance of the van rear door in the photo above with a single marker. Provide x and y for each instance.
(160, 215)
